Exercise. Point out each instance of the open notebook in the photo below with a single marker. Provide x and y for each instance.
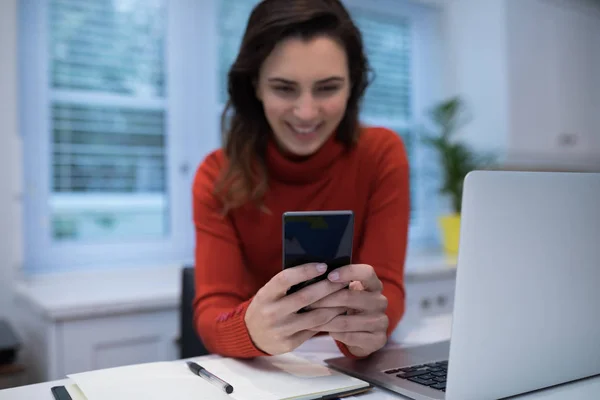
(284, 377)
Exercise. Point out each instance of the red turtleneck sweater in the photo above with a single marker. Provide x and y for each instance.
(236, 255)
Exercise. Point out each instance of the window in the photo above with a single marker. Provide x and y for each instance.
(388, 100)
(102, 139)
(120, 101)
(398, 36)
(107, 118)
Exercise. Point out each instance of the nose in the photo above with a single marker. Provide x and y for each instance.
(306, 108)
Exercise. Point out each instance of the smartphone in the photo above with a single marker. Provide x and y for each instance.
(317, 236)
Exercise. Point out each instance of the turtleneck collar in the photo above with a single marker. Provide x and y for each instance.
(305, 170)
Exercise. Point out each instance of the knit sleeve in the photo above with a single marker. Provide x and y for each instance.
(222, 295)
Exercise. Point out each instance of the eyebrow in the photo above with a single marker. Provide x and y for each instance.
(331, 79)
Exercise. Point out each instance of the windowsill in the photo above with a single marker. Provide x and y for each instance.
(81, 295)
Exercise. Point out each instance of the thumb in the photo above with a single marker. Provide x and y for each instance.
(356, 285)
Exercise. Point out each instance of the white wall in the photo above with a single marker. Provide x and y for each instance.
(528, 72)
(10, 157)
(554, 80)
(476, 68)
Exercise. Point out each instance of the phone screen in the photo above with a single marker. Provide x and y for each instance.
(324, 236)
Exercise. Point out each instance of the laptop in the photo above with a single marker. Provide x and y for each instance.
(527, 294)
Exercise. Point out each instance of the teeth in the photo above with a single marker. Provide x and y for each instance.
(305, 130)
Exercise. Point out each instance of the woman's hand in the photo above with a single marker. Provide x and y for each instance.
(271, 318)
(364, 328)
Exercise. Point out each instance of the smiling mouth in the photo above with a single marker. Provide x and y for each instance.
(305, 131)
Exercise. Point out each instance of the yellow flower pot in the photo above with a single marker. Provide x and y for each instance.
(450, 229)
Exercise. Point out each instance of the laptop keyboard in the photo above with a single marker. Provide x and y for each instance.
(432, 374)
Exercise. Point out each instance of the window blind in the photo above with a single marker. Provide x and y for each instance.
(387, 44)
(388, 98)
(232, 20)
(108, 118)
(107, 149)
(114, 46)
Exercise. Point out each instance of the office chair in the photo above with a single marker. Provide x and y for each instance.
(190, 345)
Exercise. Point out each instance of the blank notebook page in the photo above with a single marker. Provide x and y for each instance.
(153, 381)
(263, 378)
(279, 377)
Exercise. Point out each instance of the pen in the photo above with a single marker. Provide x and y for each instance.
(204, 373)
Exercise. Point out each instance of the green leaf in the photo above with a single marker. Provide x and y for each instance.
(456, 158)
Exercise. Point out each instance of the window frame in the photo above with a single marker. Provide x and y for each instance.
(183, 96)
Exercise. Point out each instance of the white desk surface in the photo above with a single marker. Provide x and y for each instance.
(320, 348)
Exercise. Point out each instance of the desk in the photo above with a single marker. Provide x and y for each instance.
(585, 390)
(320, 348)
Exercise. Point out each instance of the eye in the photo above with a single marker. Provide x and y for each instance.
(327, 89)
(284, 89)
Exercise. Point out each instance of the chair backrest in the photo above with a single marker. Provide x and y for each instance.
(190, 345)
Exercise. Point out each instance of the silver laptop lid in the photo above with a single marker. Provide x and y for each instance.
(528, 283)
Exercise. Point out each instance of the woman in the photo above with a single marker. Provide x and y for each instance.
(294, 143)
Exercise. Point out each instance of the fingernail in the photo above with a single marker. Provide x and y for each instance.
(321, 267)
(334, 276)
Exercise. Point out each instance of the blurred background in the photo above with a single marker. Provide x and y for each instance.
(108, 106)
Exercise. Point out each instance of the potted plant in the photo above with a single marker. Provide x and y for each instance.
(456, 159)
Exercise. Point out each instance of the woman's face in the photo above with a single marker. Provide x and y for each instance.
(304, 86)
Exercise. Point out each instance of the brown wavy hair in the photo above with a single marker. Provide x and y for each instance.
(245, 130)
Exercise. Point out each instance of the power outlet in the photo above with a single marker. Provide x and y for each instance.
(431, 298)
